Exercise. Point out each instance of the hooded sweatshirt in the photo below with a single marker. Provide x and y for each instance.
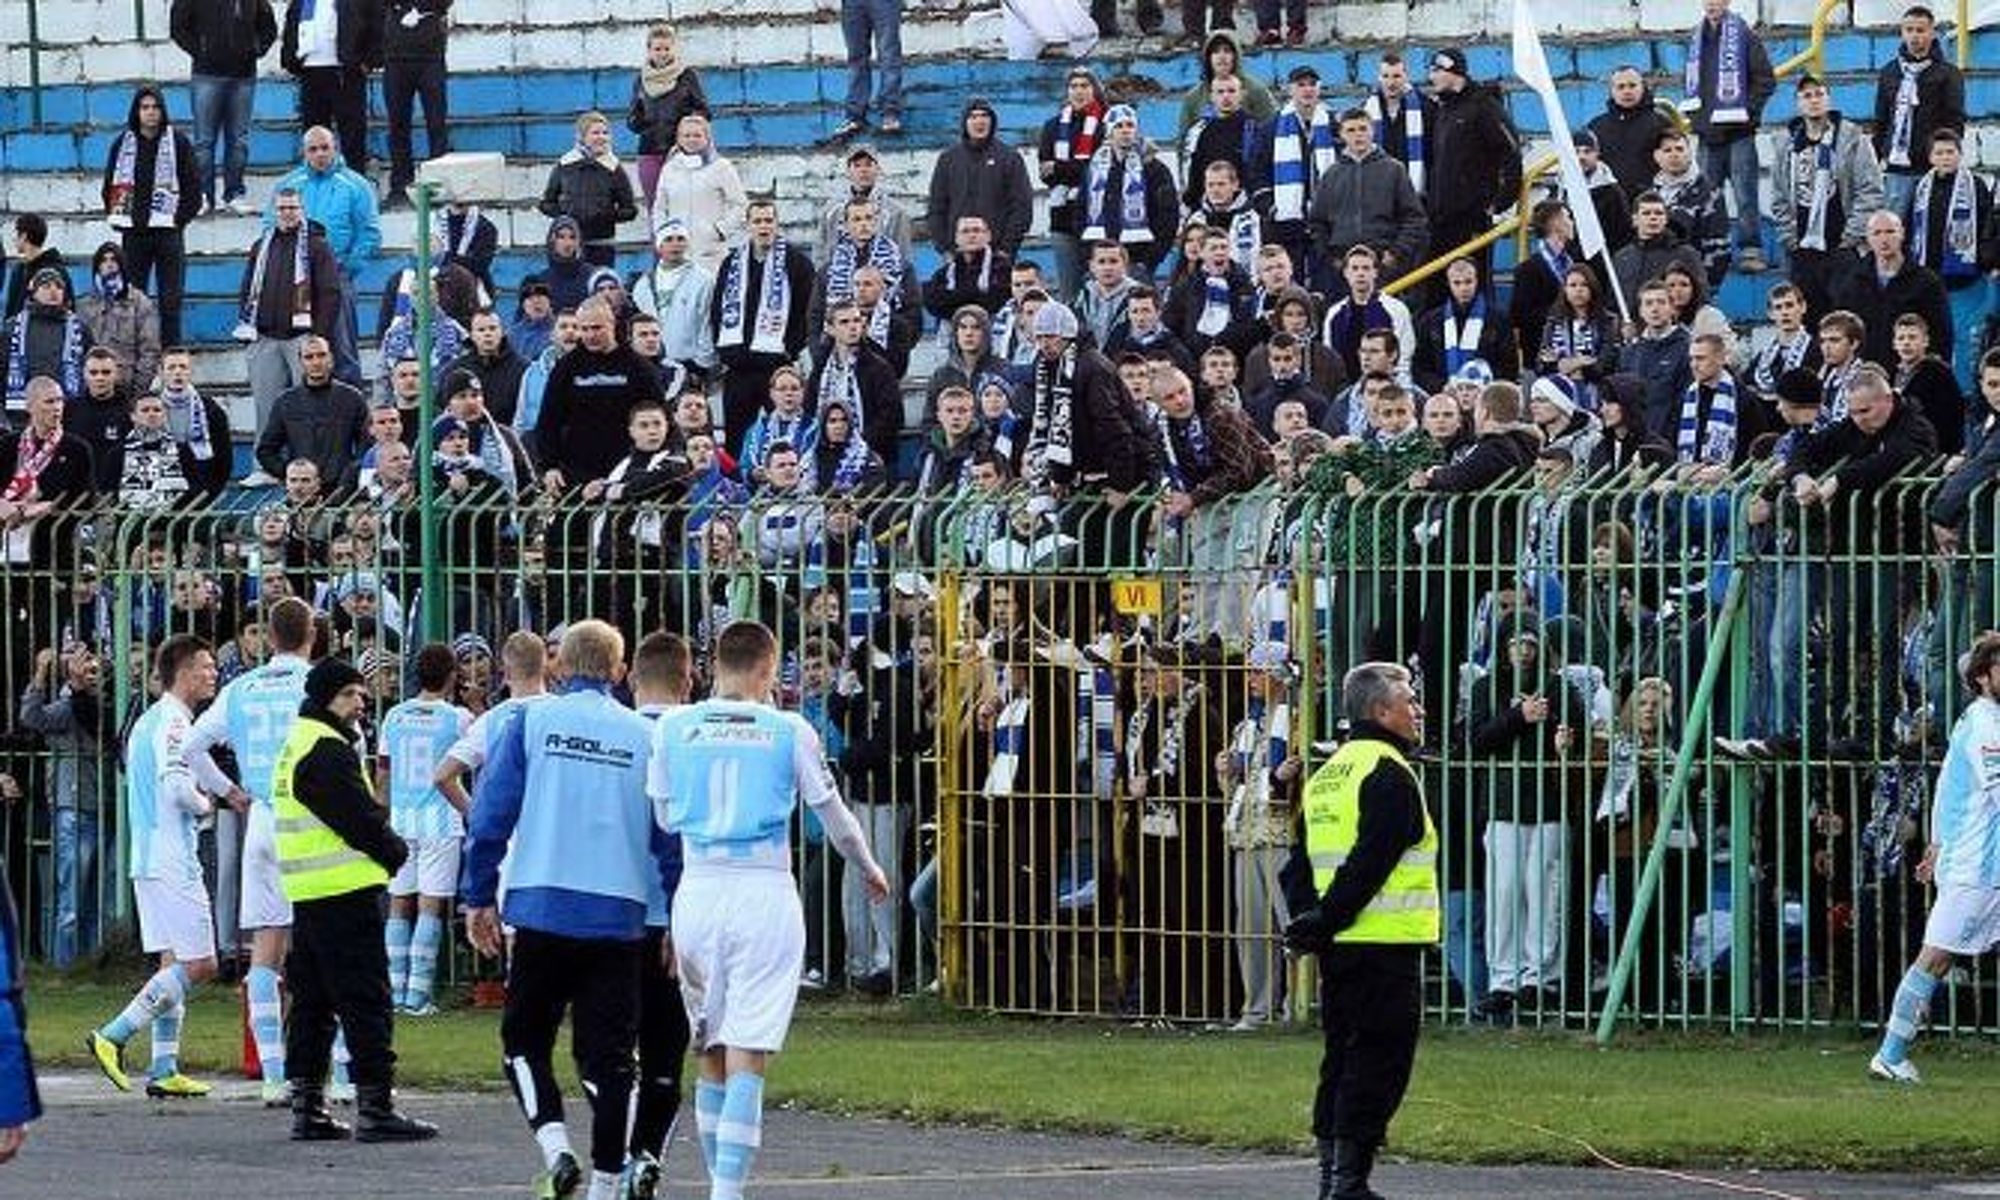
(184, 190)
(983, 177)
(568, 278)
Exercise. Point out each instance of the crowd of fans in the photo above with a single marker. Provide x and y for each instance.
(1536, 494)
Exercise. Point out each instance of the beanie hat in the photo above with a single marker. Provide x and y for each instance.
(327, 679)
(1552, 390)
(1055, 318)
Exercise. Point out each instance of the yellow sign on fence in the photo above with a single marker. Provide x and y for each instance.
(1137, 597)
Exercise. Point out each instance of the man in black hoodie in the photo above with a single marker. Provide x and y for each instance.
(1474, 147)
(493, 362)
(980, 176)
(225, 38)
(32, 253)
(152, 189)
(737, 316)
(582, 432)
(336, 853)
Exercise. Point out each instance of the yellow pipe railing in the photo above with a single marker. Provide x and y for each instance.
(1517, 222)
(1964, 34)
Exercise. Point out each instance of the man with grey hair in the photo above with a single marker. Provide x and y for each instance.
(1370, 912)
(1088, 435)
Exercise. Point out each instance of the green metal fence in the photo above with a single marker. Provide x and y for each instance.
(1068, 721)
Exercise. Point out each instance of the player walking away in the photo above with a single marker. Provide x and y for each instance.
(1963, 859)
(162, 806)
(565, 781)
(524, 668)
(662, 679)
(253, 716)
(414, 738)
(727, 773)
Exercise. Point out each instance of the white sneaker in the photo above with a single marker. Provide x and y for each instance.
(1901, 1072)
(276, 1093)
(426, 1009)
(243, 206)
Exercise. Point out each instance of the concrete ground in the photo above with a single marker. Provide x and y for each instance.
(97, 1143)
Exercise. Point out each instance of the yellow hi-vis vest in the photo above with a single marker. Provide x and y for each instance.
(313, 861)
(1405, 910)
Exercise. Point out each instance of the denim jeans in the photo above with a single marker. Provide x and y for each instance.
(879, 22)
(1464, 947)
(346, 336)
(1736, 163)
(1897, 189)
(222, 111)
(74, 848)
(1801, 587)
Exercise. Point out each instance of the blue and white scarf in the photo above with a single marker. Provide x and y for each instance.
(1291, 179)
(1216, 309)
(1556, 259)
(1200, 455)
(766, 332)
(801, 433)
(1347, 321)
(882, 253)
(1833, 383)
(1814, 204)
(1959, 248)
(1245, 229)
(302, 284)
(1133, 225)
(1732, 70)
(69, 367)
(1462, 333)
(1413, 133)
(1572, 337)
(1779, 357)
(1715, 442)
(186, 411)
(853, 463)
(1902, 124)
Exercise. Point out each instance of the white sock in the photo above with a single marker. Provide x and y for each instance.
(554, 1141)
(603, 1186)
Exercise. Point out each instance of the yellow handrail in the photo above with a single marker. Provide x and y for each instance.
(1517, 223)
(1964, 34)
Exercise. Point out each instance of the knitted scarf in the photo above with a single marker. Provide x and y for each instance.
(1075, 140)
(1715, 442)
(187, 420)
(1780, 356)
(657, 81)
(151, 478)
(70, 365)
(302, 292)
(1001, 329)
(1815, 206)
(1833, 383)
(1556, 259)
(801, 433)
(1462, 332)
(468, 230)
(1958, 250)
(1216, 308)
(1133, 225)
(1246, 231)
(1732, 70)
(841, 383)
(1904, 120)
(882, 253)
(774, 301)
(166, 198)
(1010, 741)
(1291, 178)
(110, 286)
(851, 466)
(1571, 336)
(1054, 394)
(1413, 133)
(32, 456)
(878, 322)
(1193, 435)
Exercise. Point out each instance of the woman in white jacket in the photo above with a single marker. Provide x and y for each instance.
(701, 188)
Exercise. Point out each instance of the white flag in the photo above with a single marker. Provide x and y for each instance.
(1533, 68)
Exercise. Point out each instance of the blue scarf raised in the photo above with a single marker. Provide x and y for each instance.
(1732, 70)
(70, 367)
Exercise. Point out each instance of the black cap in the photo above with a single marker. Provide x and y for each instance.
(1584, 137)
(1450, 60)
(462, 380)
(327, 678)
(534, 287)
(1303, 71)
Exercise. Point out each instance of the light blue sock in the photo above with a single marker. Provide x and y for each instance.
(340, 1055)
(1913, 997)
(396, 937)
(166, 988)
(423, 953)
(708, 1099)
(737, 1135)
(167, 1041)
(267, 1021)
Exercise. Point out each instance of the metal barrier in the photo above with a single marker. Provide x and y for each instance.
(1066, 724)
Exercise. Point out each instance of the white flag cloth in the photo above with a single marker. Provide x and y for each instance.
(1532, 66)
(1030, 26)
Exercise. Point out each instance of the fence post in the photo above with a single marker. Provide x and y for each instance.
(1695, 732)
(953, 985)
(437, 607)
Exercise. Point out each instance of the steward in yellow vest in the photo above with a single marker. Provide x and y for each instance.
(1371, 850)
(336, 854)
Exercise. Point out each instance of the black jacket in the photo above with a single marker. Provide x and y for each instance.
(1940, 105)
(330, 781)
(360, 37)
(1913, 289)
(597, 197)
(224, 37)
(1496, 346)
(500, 376)
(1866, 514)
(23, 273)
(942, 299)
(881, 395)
(102, 425)
(1625, 140)
(1970, 491)
(798, 323)
(656, 119)
(186, 168)
(1476, 149)
(1111, 437)
(68, 482)
(419, 43)
(985, 178)
(328, 424)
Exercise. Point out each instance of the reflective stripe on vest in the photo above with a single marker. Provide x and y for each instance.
(1405, 910)
(313, 861)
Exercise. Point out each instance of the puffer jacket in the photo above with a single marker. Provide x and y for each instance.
(708, 194)
(597, 196)
(342, 204)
